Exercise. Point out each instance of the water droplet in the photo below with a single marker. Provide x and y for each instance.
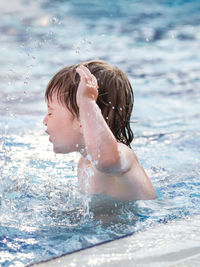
(77, 50)
(89, 157)
(54, 20)
(120, 108)
(113, 107)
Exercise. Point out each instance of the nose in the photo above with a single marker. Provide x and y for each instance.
(45, 120)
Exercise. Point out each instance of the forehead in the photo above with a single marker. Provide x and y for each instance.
(55, 94)
(53, 101)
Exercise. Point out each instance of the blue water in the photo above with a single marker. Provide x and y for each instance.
(157, 44)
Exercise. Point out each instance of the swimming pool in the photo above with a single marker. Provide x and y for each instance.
(157, 45)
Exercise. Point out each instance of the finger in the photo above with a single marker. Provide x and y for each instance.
(90, 79)
(80, 70)
(94, 81)
(90, 75)
(81, 73)
(86, 70)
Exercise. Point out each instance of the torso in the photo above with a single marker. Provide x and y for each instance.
(132, 185)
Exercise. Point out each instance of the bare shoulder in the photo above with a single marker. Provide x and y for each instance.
(128, 158)
(129, 182)
(134, 176)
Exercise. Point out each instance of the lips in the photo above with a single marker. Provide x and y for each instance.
(49, 136)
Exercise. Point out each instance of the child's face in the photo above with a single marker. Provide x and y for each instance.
(64, 130)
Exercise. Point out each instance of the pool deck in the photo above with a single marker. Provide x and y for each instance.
(173, 244)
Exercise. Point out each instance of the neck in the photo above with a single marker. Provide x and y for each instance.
(86, 157)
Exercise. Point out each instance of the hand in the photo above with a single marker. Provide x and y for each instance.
(88, 85)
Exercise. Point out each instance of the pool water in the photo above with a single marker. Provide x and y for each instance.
(42, 213)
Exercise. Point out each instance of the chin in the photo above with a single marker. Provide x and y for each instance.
(61, 151)
(56, 150)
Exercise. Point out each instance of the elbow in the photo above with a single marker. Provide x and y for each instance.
(109, 159)
(111, 166)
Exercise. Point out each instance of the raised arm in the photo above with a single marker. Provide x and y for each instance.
(105, 153)
(100, 142)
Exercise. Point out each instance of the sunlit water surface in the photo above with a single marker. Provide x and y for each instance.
(157, 44)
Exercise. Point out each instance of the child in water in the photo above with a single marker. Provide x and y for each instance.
(89, 110)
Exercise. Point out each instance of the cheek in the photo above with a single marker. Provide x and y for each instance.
(53, 126)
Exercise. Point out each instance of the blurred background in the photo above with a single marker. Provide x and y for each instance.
(155, 43)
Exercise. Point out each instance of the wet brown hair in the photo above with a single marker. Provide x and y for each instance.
(115, 97)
